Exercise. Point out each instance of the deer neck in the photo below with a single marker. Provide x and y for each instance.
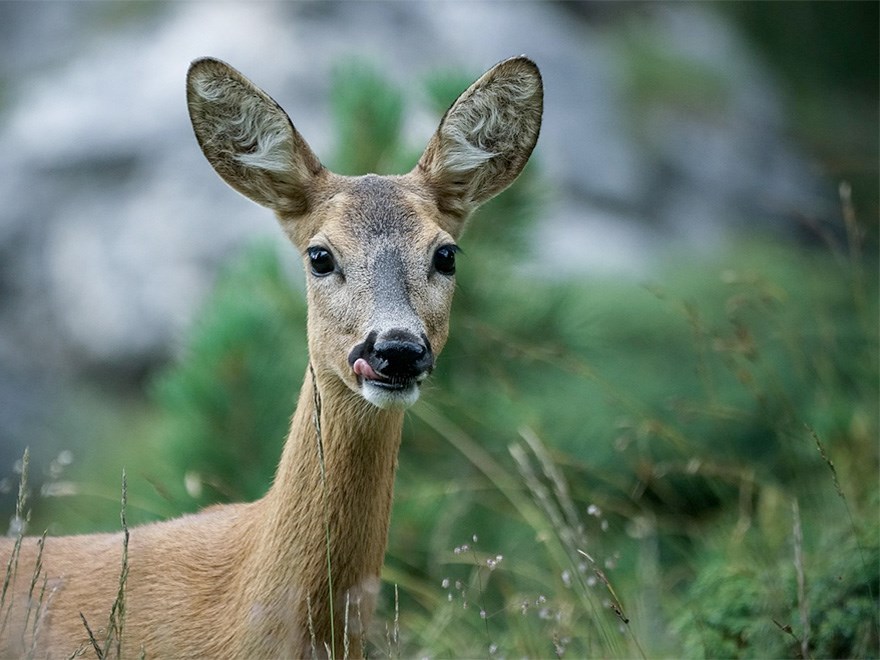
(333, 488)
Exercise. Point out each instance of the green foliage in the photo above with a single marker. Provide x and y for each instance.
(652, 74)
(843, 598)
(443, 86)
(735, 622)
(746, 604)
(227, 405)
(368, 112)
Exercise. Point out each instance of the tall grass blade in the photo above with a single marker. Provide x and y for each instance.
(99, 652)
(18, 527)
(117, 612)
(35, 577)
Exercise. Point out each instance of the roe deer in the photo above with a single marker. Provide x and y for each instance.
(269, 578)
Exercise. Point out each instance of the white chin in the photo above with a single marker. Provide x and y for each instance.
(384, 397)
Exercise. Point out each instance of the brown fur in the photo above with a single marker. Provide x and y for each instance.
(239, 580)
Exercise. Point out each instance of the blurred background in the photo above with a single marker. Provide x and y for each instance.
(661, 386)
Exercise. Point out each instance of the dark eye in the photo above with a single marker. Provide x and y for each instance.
(322, 261)
(444, 259)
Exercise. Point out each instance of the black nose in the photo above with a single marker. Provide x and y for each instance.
(401, 359)
(397, 355)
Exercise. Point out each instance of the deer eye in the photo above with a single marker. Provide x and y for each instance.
(322, 261)
(444, 259)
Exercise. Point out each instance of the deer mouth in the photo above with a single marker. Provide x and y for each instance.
(366, 373)
(384, 391)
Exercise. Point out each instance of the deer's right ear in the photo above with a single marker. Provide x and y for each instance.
(485, 138)
(248, 139)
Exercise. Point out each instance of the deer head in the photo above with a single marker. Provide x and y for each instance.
(379, 251)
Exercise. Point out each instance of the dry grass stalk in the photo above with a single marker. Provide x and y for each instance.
(37, 600)
(116, 623)
(803, 603)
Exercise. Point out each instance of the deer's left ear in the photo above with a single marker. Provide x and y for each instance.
(485, 138)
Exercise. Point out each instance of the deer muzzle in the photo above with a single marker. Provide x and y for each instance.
(391, 366)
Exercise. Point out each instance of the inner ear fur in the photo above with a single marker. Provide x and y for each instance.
(485, 138)
(248, 138)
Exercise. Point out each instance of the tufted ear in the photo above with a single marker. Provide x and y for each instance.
(248, 139)
(485, 138)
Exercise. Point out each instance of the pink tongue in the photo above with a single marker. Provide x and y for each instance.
(362, 368)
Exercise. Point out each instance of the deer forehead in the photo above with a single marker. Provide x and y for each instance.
(371, 217)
